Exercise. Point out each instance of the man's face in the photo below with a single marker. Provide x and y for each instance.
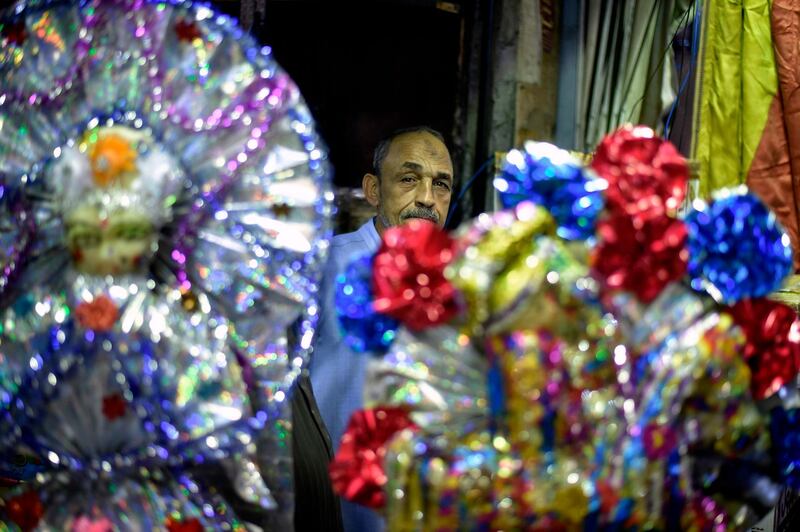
(416, 181)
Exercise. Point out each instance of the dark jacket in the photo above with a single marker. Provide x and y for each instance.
(316, 508)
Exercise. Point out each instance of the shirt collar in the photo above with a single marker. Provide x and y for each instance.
(370, 235)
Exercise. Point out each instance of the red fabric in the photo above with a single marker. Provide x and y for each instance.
(774, 174)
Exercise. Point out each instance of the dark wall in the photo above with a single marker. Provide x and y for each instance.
(365, 68)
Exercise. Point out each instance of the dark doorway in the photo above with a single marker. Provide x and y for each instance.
(366, 67)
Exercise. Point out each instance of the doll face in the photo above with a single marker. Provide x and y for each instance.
(109, 243)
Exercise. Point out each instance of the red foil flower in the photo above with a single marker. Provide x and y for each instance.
(184, 525)
(357, 469)
(640, 256)
(772, 350)
(99, 315)
(114, 406)
(646, 175)
(25, 510)
(408, 276)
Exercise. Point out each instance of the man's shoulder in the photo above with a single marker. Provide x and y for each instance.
(345, 246)
(348, 239)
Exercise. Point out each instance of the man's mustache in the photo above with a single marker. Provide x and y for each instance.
(421, 212)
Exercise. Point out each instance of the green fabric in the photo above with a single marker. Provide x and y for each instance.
(599, 72)
(642, 103)
(621, 74)
(738, 82)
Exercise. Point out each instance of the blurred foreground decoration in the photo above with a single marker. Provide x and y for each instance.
(165, 207)
(610, 368)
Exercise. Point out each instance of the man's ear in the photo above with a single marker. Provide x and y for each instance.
(372, 189)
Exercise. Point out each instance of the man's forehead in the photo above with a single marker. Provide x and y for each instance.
(404, 146)
(416, 167)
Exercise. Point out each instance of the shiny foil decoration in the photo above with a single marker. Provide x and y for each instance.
(737, 248)
(363, 329)
(785, 432)
(646, 175)
(85, 524)
(488, 245)
(164, 217)
(537, 284)
(596, 387)
(25, 510)
(183, 525)
(357, 471)
(553, 179)
(772, 350)
(641, 256)
(408, 275)
(100, 314)
(439, 372)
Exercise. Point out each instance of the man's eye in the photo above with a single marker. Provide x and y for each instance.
(407, 179)
(443, 185)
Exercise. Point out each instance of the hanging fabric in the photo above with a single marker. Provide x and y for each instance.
(621, 65)
(747, 118)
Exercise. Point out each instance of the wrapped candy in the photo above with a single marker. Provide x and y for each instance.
(611, 389)
(168, 207)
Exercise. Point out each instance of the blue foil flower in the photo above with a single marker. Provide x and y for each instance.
(785, 432)
(737, 249)
(555, 180)
(362, 327)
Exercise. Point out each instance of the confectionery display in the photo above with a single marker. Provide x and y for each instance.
(585, 359)
(601, 353)
(165, 207)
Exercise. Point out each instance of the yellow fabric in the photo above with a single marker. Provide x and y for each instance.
(737, 84)
(759, 75)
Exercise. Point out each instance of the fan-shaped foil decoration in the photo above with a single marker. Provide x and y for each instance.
(164, 215)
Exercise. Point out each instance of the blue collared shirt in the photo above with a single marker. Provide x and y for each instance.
(337, 372)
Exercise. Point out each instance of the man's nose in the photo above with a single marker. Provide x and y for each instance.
(424, 197)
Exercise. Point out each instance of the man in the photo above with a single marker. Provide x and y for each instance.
(413, 178)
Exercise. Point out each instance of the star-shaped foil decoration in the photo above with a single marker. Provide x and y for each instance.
(187, 30)
(282, 210)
